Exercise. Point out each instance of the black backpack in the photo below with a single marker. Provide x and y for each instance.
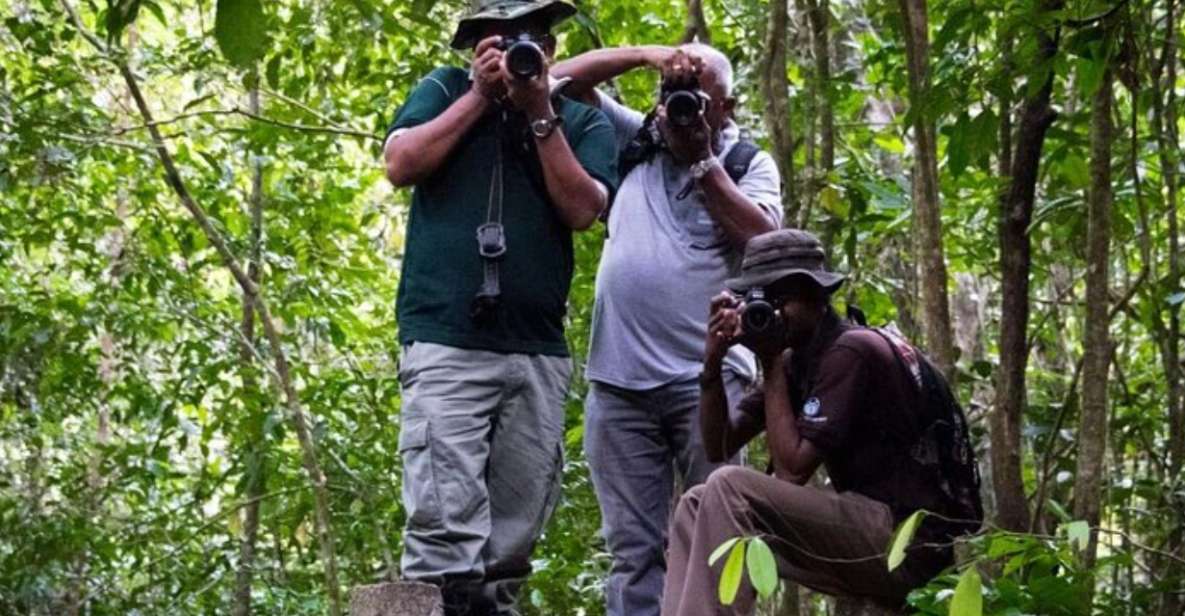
(645, 145)
(940, 444)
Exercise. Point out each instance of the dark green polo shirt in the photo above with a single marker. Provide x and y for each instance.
(441, 268)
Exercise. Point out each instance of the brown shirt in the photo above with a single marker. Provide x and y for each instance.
(856, 403)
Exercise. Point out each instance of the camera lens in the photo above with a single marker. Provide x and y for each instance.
(524, 60)
(757, 317)
(683, 108)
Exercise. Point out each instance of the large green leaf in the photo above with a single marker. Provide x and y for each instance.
(968, 597)
(241, 30)
(763, 569)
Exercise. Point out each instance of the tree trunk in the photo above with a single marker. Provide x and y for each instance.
(256, 451)
(1169, 148)
(775, 89)
(1092, 426)
(819, 15)
(1016, 214)
(696, 26)
(927, 209)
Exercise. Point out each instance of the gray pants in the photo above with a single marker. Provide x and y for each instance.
(482, 446)
(635, 441)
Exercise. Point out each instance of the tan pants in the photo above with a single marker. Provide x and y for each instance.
(833, 543)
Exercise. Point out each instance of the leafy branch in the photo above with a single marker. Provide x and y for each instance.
(250, 290)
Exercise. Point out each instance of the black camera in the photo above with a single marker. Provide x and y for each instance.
(524, 56)
(684, 102)
(758, 316)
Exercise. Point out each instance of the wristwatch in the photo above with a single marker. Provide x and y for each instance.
(701, 168)
(544, 127)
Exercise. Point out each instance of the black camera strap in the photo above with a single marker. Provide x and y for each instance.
(491, 243)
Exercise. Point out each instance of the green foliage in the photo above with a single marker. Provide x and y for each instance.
(241, 31)
(132, 426)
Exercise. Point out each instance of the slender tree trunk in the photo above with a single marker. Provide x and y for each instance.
(819, 14)
(927, 209)
(775, 89)
(1169, 148)
(1020, 164)
(1092, 426)
(256, 448)
(696, 26)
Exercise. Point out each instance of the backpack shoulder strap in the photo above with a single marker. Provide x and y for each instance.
(739, 158)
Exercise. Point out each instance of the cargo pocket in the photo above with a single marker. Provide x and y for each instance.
(420, 498)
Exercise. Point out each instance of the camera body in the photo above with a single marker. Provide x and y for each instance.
(683, 102)
(758, 315)
(524, 56)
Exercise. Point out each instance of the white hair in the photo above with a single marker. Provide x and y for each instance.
(716, 61)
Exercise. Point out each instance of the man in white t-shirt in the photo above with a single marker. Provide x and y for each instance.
(676, 231)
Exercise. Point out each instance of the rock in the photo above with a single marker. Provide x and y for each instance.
(396, 599)
(858, 606)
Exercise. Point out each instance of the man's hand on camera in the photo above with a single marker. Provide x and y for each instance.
(724, 328)
(487, 69)
(688, 144)
(680, 68)
(531, 96)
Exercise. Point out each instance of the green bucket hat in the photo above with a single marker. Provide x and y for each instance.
(485, 11)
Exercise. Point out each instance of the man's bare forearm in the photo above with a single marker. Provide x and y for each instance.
(578, 198)
(715, 426)
(416, 153)
(737, 215)
(794, 458)
(588, 70)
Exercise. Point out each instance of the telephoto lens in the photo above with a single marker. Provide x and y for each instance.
(524, 57)
(683, 107)
(758, 315)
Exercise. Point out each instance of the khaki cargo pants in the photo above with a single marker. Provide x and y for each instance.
(481, 439)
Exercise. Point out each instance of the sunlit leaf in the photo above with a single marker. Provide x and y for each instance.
(730, 579)
(902, 537)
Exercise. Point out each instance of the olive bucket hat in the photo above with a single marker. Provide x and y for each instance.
(771, 256)
(482, 12)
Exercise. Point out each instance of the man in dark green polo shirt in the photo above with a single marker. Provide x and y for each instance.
(503, 171)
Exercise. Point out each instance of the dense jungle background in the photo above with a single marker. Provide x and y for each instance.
(199, 253)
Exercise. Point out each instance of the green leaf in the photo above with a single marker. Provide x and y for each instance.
(721, 550)
(241, 31)
(968, 598)
(892, 143)
(730, 580)
(833, 202)
(1078, 532)
(763, 569)
(902, 538)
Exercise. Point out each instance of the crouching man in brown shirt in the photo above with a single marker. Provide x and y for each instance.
(836, 394)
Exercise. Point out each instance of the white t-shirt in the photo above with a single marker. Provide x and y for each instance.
(663, 261)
